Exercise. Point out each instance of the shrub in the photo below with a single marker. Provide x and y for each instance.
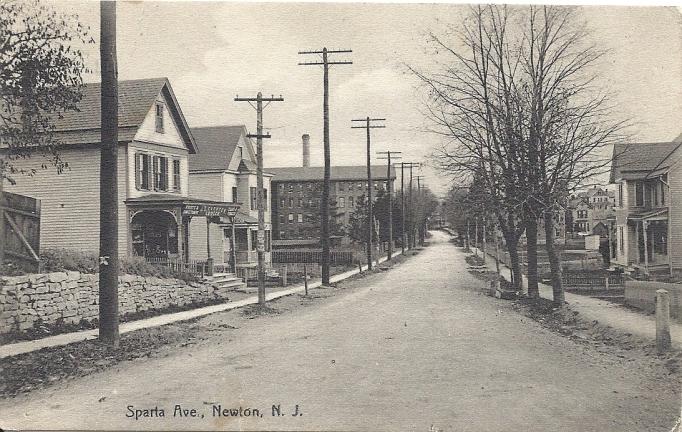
(59, 260)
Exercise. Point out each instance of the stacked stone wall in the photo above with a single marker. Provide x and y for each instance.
(69, 297)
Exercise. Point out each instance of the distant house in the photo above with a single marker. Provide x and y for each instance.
(296, 195)
(648, 220)
(588, 209)
(224, 169)
(154, 208)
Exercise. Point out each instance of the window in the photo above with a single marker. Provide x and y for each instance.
(621, 240)
(662, 193)
(142, 171)
(291, 202)
(159, 117)
(654, 194)
(254, 205)
(300, 186)
(282, 202)
(300, 202)
(281, 218)
(341, 186)
(265, 199)
(291, 217)
(281, 187)
(310, 202)
(620, 194)
(342, 202)
(241, 152)
(639, 194)
(234, 194)
(160, 167)
(282, 235)
(291, 187)
(176, 174)
(299, 218)
(350, 187)
(350, 202)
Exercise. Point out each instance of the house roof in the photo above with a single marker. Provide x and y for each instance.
(216, 146)
(638, 160)
(135, 99)
(355, 172)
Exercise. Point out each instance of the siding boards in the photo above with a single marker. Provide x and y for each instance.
(70, 201)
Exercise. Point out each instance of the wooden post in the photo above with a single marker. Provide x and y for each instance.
(662, 320)
(284, 276)
(305, 278)
(645, 228)
(234, 250)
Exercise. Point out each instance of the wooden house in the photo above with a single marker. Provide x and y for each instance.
(648, 221)
(224, 169)
(154, 208)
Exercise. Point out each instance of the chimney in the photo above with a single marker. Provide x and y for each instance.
(306, 150)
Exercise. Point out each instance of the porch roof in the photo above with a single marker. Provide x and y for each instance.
(189, 206)
(657, 214)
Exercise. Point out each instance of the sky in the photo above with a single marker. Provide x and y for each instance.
(212, 51)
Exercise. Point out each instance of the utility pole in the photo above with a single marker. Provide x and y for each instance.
(404, 223)
(368, 126)
(410, 209)
(420, 229)
(327, 157)
(390, 197)
(108, 184)
(259, 135)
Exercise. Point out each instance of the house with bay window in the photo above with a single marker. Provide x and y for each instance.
(224, 169)
(648, 207)
(154, 206)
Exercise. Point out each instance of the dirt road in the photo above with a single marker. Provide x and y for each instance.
(416, 348)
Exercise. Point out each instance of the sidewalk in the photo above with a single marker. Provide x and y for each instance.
(606, 313)
(17, 348)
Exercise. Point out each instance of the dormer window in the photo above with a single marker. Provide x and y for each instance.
(159, 117)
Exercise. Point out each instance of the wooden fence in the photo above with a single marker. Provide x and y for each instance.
(314, 256)
(592, 281)
(22, 230)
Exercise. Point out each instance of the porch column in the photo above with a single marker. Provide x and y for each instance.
(637, 234)
(234, 250)
(646, 246)
(209, 260)
(180, 234)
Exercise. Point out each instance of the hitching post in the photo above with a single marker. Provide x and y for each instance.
(662, 320)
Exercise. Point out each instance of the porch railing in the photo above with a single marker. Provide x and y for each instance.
(193, 267)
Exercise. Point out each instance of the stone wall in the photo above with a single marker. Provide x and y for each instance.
(642, 295)
(70, 297)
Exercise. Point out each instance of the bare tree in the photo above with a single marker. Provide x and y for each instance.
(518, 103)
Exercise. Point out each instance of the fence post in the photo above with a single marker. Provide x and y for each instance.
(662, 320)
(305, 278)
(606, 281)
(284, 276)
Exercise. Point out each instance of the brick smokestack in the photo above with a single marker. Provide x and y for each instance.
(306, 150)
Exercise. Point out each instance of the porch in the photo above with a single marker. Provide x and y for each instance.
(649, 247)
(159, 229)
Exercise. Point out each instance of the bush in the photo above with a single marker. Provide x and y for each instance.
(59, 260)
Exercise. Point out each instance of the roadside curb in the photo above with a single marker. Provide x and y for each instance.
(23, 347)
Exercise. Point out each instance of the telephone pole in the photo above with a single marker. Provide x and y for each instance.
(420, 230)
(390, 196)
(368, 126)
(411, 207)
(325, 62)
(259, 135)
(405, 219)
(108, 185)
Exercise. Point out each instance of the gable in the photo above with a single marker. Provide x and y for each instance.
(146, 132)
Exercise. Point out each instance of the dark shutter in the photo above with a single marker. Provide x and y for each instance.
(138, 179)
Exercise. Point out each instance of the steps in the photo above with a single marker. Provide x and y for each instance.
(226, 280)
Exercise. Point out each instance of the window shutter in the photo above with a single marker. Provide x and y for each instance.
(138, 177)
(163, 182)
(155, 171)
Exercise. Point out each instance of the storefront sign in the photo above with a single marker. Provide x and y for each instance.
(208, 210)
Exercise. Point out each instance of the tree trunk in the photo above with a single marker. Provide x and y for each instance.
(468, 240)
(517, 278)
(554, 262)
(532, 258)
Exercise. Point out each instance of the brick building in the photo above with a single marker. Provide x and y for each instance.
(297, 192)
